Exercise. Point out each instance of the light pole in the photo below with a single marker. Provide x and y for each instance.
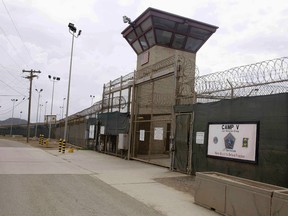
(61, 112)
(45, 109)
(41, 105)
(39, 91)
(63, 107)
(54, 79)
(19, 117)
(72, 30)
(13, 100)
(92, 98)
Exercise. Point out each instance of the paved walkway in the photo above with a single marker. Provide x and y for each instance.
(137, 179)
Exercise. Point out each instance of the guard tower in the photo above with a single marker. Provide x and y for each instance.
(166, 45)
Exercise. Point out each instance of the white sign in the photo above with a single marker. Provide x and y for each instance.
(234, 141)
(50, 119)
(102, 130)
(91, 131)
(200, 137)
(158, 133)
(142, 135)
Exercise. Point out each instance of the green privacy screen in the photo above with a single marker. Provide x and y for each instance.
(269, 114)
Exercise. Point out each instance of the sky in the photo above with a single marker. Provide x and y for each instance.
(34, 36)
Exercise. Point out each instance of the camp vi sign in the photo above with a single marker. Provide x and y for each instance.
(235, 141)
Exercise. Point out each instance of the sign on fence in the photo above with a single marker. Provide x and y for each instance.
(235, 141)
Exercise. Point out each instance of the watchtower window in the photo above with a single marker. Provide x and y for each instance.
(163, 37)
(179, 41)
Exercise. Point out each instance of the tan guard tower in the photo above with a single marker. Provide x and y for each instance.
(166, 47)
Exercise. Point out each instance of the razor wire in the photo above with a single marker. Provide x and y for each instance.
(261, 78)
(123, 80)
(264, 78)
(105, 104)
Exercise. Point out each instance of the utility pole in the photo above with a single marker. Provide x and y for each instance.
(32, 74)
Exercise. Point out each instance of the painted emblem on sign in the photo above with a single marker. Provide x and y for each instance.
(229, 140)
(245, 142)
(215, 140)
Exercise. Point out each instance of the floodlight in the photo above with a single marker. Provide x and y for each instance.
(126, 19)
(72, 27)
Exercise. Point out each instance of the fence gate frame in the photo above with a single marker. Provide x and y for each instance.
(187, 158)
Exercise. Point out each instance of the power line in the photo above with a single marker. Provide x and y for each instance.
(16, 29)
(3, 112)
(11, 57)
(11, 87)
(7, 38)
(10, 73)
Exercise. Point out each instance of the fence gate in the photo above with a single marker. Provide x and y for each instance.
(183, 150)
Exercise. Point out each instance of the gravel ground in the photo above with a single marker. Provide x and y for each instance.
(184, 184)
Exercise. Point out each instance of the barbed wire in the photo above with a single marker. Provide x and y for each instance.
(106, 104)
(264, 76)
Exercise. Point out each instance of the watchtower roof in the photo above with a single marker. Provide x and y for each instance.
(156, 27)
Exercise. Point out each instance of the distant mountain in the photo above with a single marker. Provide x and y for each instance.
(15, 121)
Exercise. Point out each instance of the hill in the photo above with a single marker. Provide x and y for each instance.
(15, 121)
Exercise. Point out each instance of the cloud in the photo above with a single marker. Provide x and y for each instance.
(125, 2)
(246, 34)
(64, 10)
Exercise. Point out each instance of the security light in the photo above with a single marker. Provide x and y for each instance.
(72, 27)
(126, 19)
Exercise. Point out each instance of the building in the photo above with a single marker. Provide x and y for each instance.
(166, 45)
(159, 113)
